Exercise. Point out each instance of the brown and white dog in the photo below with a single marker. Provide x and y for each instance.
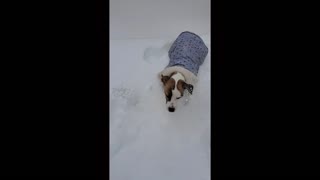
(175, 81)
(186, 55)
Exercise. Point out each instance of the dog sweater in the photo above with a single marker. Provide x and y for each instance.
(188, 51)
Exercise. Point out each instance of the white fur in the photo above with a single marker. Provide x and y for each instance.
(175, 92)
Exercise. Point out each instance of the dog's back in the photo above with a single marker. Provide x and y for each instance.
(188, 51)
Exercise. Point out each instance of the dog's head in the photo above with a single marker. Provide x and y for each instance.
(174, 86)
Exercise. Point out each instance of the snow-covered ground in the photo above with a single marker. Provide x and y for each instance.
(147, 141)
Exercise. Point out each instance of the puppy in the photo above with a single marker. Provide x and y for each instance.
(186, 55)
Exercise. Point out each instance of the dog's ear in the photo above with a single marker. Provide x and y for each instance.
(188, 87)
(164, 79)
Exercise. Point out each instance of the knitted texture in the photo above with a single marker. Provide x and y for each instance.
(188, 51)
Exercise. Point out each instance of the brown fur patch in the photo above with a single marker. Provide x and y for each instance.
(164, 79)
(169, 86)
(168, 82)
(181, 86)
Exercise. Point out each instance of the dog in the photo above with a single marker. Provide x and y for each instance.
(186, 55)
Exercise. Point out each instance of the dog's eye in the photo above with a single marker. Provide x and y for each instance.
(178, 97)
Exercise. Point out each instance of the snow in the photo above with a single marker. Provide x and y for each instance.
(154, 18)
(147, 142)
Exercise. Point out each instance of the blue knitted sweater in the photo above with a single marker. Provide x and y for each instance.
(188, 51)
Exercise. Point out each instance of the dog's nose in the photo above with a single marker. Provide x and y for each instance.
(171, 109)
